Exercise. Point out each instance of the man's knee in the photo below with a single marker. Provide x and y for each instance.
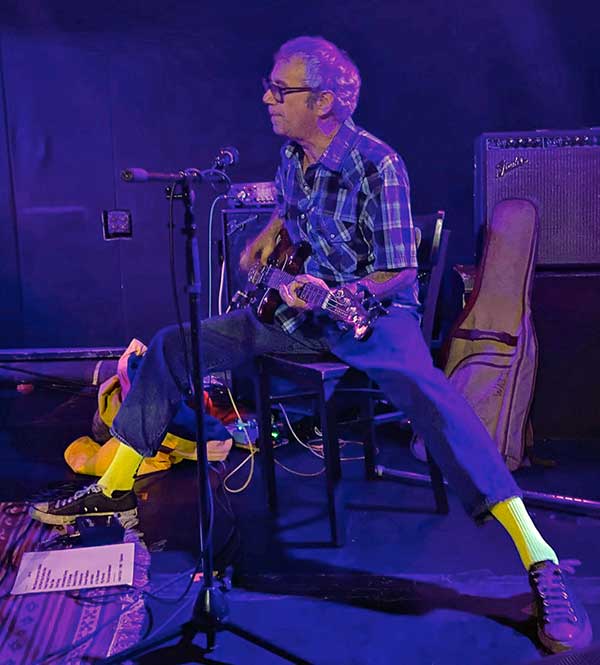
(166, 338)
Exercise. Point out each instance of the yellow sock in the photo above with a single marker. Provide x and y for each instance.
(514, 517)
(120, 475)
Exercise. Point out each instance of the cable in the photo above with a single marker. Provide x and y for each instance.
(209, 260)
(221, 289)
(293, 433)
(173, 272)
(166, 622)
(300, 473)
(315, 449)
(249, 458)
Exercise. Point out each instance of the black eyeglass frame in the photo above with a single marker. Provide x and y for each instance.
(279, 91)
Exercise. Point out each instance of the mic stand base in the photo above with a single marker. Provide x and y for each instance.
(210, 616)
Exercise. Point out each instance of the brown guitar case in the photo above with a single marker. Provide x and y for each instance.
(491, 353)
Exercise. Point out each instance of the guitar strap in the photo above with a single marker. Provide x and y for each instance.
(491, 353)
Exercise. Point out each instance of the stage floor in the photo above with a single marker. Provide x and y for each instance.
(409, 586)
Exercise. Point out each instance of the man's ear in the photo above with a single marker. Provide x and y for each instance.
(325, 102)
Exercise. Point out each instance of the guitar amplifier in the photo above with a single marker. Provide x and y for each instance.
(253, 194)
(240, 226)
(559, 171)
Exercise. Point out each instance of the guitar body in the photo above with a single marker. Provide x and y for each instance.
(356, 311)
(290, 259)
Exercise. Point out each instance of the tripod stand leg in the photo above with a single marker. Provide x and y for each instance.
(146, 646)
(264, 644)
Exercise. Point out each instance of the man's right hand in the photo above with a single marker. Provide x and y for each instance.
(263, 245)
(258, 250)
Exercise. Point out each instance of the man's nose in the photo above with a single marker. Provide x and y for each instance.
(268, 98)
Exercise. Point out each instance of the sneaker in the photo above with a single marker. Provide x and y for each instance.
(88, 501)
(562, 621)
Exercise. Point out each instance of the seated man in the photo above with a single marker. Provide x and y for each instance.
(346, 194)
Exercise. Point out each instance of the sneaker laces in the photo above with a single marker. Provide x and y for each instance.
(90, 489)
(552, 590)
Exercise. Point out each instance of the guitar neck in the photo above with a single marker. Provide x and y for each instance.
(310, 293)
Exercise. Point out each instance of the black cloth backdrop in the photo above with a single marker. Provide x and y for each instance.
(90, 88)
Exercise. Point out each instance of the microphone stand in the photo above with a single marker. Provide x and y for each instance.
(211, 612)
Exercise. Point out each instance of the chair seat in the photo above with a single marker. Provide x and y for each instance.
(310, 367)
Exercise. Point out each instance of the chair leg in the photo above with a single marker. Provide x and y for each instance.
(437, 483)
(367, 413)
(333, 472)
(263, 416)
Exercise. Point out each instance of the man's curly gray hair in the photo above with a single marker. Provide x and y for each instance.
(327, 68)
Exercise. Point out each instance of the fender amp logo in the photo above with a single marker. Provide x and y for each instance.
(503, 167)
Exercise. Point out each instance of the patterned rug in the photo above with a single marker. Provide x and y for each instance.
(63, 627)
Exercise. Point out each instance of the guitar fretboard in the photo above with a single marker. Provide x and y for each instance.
(310, 293)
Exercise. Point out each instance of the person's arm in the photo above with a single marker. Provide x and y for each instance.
(382, 283)
(394, 242)
(264, 244)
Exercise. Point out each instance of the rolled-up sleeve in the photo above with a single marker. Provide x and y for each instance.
(389, 216)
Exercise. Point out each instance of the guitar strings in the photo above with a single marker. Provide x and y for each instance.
(274, 277)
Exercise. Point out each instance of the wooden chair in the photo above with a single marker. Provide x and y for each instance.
(319, 376)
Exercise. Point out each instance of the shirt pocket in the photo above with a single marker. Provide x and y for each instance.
(334, 228)
(333, 240)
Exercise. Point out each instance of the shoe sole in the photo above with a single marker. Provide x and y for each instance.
(585, 639)
(57, 520)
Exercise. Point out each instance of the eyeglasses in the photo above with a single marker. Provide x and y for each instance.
(279, 91)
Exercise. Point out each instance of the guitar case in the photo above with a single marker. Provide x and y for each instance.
(491, 352)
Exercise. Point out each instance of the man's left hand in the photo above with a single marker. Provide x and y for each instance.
(289, 293)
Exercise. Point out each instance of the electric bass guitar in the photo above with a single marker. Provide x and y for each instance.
(356, 311)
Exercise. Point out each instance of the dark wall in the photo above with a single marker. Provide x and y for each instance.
(90, 88)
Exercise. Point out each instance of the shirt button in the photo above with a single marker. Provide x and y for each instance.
(302, 216)
(332, 235)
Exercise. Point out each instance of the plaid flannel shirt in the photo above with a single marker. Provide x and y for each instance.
(352, 207)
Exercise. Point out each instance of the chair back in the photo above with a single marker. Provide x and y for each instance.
(431, 257)
(430, 230)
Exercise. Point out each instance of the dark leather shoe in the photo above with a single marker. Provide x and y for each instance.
(562, 621)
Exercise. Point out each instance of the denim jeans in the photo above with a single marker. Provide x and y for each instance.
(395, 356)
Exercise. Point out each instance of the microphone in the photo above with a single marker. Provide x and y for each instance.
(228, 156)
(141, 175)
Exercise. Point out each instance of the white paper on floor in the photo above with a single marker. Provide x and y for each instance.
(80, 568)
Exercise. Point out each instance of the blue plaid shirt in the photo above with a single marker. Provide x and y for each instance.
(352, 207)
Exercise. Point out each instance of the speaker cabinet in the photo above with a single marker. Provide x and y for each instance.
(559, 171)
(566, 314)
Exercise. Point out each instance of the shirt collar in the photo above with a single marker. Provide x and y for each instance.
(340, 146)
(336, 151)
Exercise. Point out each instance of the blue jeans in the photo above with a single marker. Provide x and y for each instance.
(395, 356)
